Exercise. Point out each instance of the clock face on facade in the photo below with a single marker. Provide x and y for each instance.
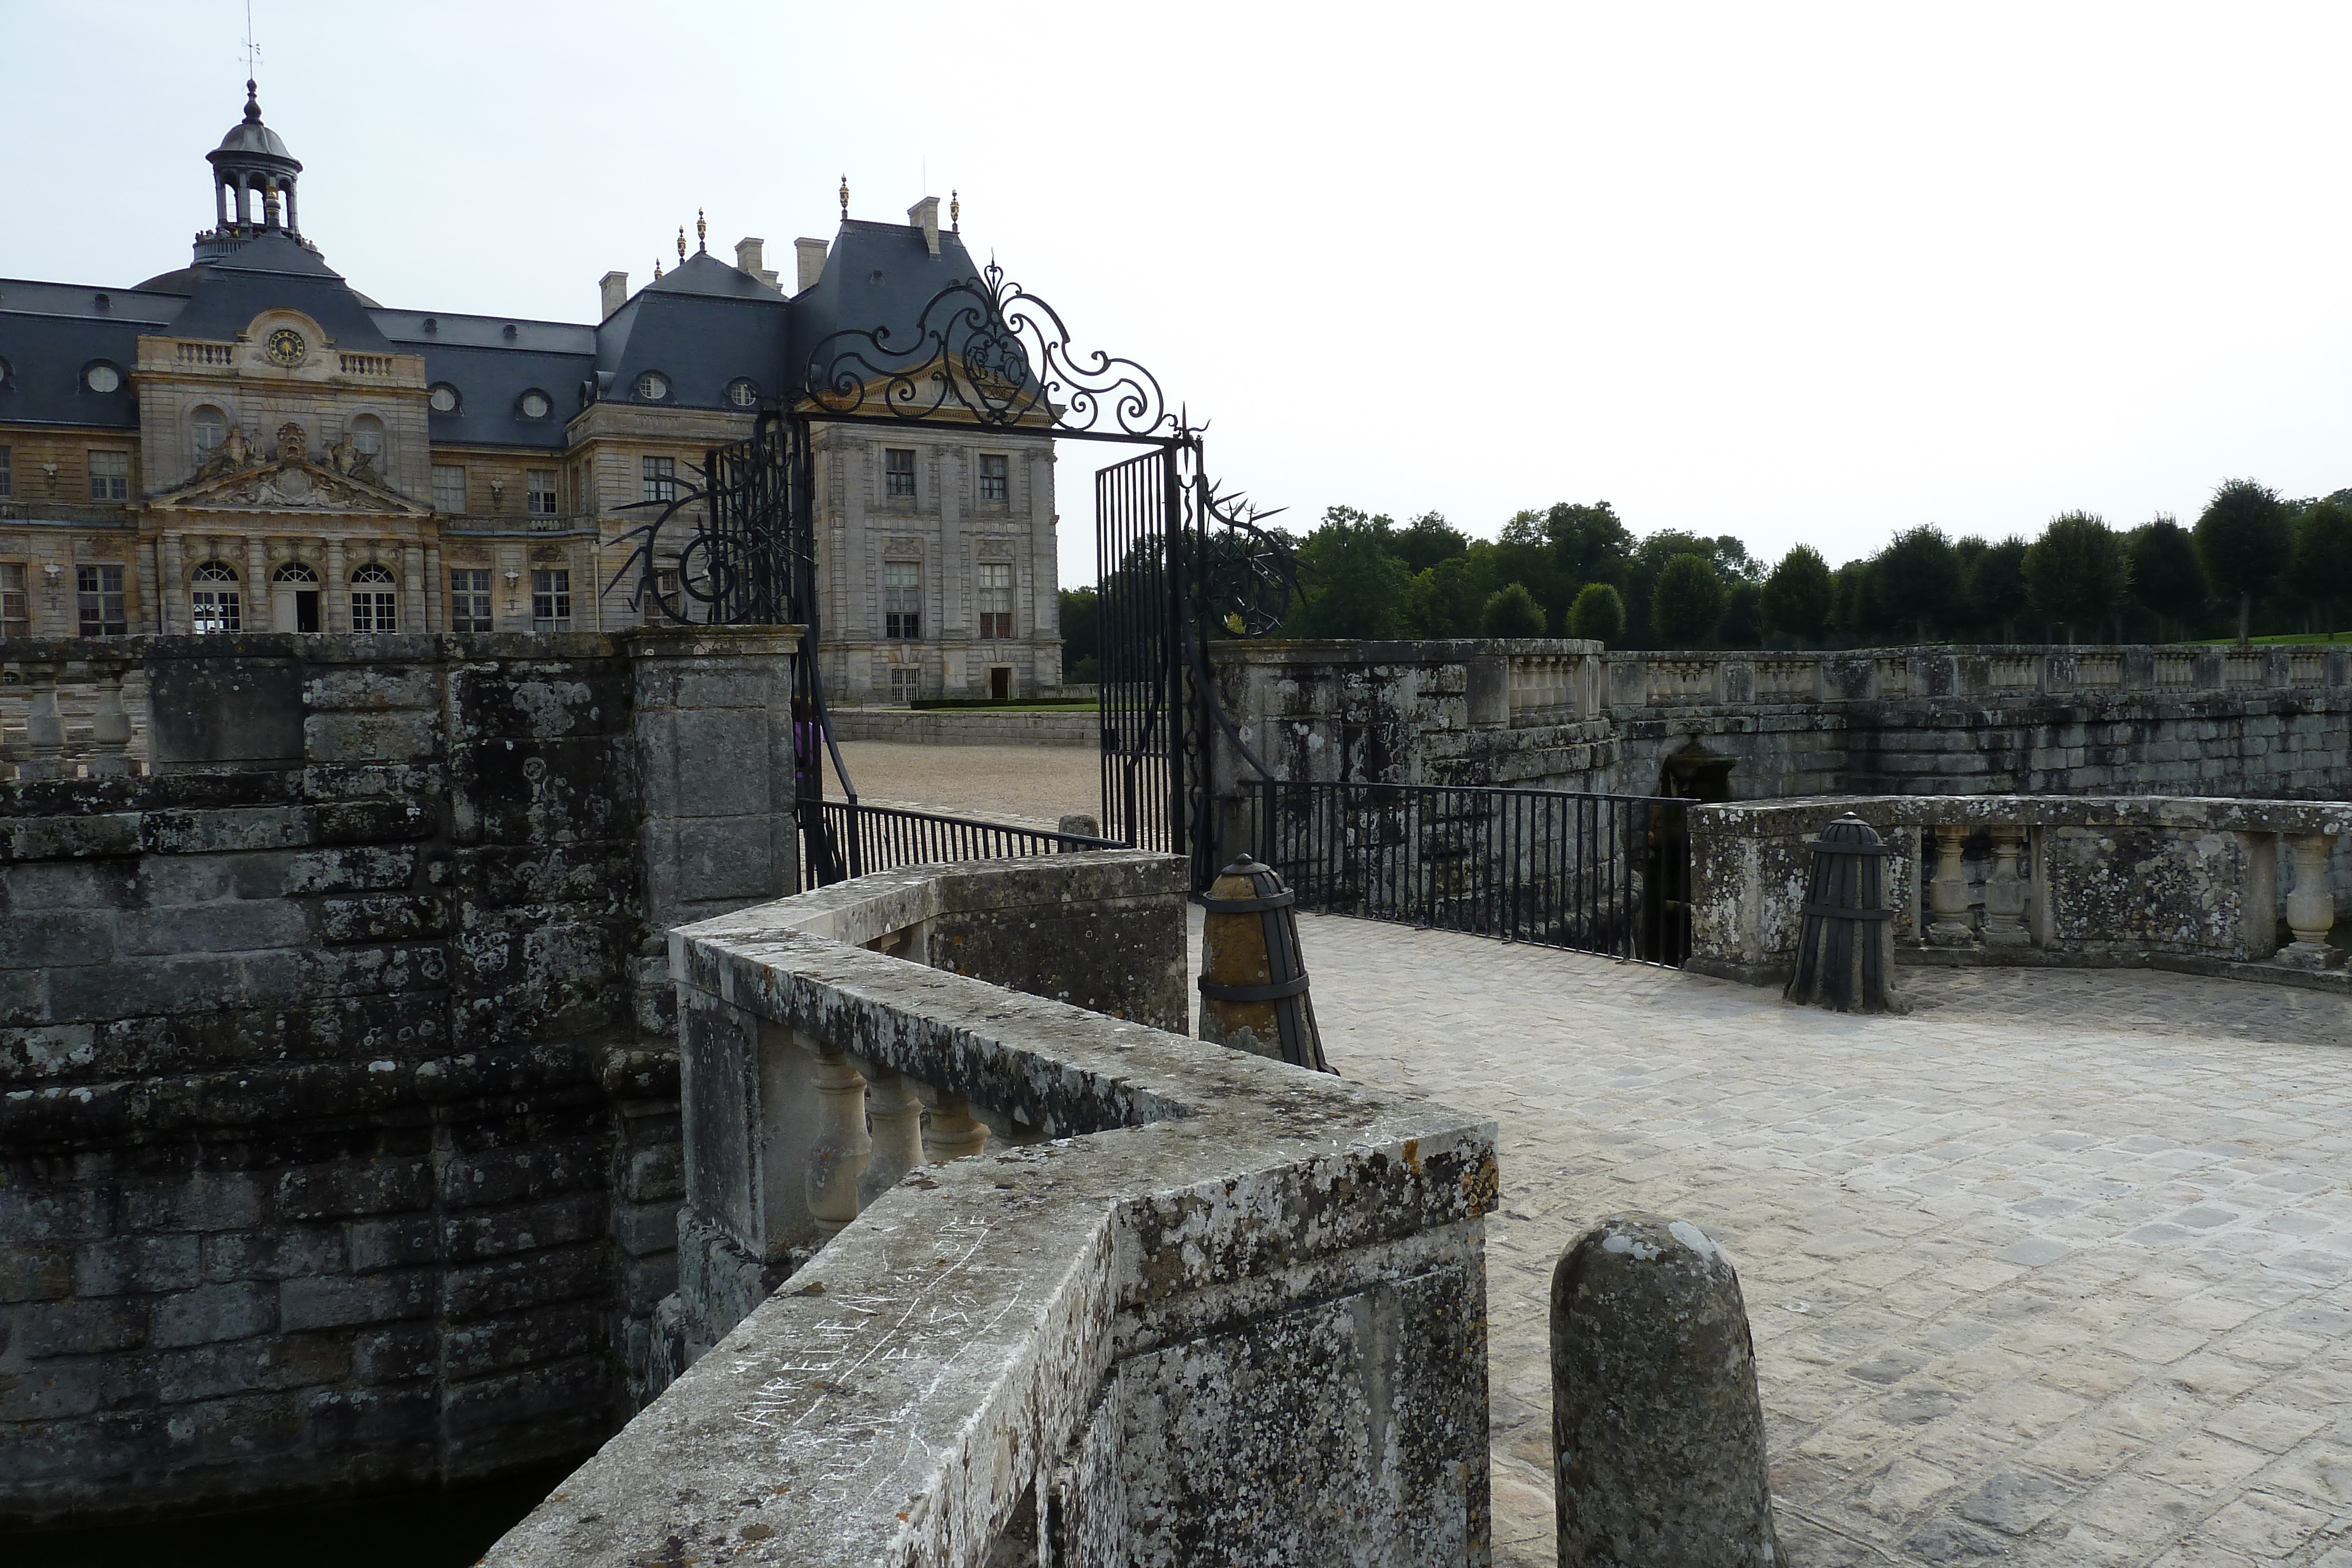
(286, 346)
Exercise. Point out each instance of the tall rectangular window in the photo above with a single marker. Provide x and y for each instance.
(993, 484)
(15, 604)
(469, 599)
(550, 600)
(8, 471)
(448, 486)
(99, 597)
(898, 473)
(110, 475)
(541, 487)
(996, 598)
(659, 475)
(902, 600)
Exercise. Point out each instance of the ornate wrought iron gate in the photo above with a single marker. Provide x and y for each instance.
(1142, 685)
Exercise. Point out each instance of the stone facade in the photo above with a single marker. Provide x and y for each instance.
(249, 445)
(338, 1089)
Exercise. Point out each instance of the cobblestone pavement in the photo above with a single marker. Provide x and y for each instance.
(2058, 1268)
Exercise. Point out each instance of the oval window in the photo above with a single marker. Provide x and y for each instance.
(535, 404)
(653, 386)
(102, 378)
(443, 398)
(742, 391)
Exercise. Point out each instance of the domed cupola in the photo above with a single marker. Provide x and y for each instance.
(253, 182)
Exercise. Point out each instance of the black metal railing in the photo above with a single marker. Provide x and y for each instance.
(856, 839)
(1602, 874)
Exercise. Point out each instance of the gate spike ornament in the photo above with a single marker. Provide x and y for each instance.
(1253, 981)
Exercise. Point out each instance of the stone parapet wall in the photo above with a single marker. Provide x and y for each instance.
(952, 726)
(338, 1092)
(2266, 722)
(1201, 1306)
(2201, 883)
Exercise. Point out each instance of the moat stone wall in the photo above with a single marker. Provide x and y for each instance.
(337, 1084)
(2270, 722)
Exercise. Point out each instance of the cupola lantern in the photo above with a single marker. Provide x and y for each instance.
(253, 178)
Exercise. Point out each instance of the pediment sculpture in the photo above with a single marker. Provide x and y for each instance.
(236, 474)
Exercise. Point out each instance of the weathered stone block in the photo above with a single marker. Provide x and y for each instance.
(275, 1254)
(393, 737)
(133, 1264)
(80, 1327)
(319, 1192)
(359, 868)
(221, 831)
(639, 1229)
(29, 1273)
(394, 1243)
(479, 1233)
(549, 1333)
(70, 838)
(512, 1176)
(54, 939)
(512, 1284)
(395, 1355)
(212, 1312)
(368, 688)
(234, 925)
(654, 1174)
(347, 1301)
(384, 917)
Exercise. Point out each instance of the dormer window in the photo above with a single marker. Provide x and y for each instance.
(102, 377)
(534, 404)
(653, 386)
(443, 398)
(743, 392)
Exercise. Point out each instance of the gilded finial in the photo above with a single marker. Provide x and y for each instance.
(701, 230)
(681, 242)
(844, 198)
(656, 270)
(955, 212)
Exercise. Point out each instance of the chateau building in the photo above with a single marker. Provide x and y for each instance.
(250, 444)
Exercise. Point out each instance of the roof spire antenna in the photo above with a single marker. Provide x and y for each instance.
(252, 59)
(656, 270)
(844, 198)
(701, 230)
(681, 242)
(955, 213)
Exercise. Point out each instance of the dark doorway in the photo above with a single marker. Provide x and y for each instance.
(306, 610)
(1697, 775)
(1000, 684)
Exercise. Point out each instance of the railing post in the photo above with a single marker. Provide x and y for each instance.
(2310, 905)
(954, 1132)
(839, 1153)
(1267, 799)
(2005, 890)
(109, 729)
(897, 1122)
(45, 728)
(1948, 892)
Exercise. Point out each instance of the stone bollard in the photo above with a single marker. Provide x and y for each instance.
(1080, 825)
(1657, 1434)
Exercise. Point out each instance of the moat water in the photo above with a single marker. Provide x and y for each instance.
(438, 1527)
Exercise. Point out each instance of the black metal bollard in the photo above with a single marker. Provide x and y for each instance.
(1845, 944)
(1657, 1434)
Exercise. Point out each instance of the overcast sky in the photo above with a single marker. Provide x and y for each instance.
(1801, 273)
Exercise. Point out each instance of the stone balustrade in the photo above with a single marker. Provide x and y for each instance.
(2247, 888)
(1198, 1306)
(72, 718)
(1548, 686)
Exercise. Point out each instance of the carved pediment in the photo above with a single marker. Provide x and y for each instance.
(290, 481)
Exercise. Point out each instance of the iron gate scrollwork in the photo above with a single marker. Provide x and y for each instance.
(1181, 562)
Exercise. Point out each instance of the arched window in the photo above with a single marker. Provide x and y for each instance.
(367, 440)
(207, 428)
(295, 573)
(374, 605)
(213, 604)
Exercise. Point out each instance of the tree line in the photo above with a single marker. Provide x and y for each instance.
(2252, 564)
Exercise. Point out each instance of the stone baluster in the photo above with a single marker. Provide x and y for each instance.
(110, 727)
(2005, 890)
(45, 728)
(838, 1152)
(895, 1119)
(2311, 905)
(951, 1132)
(1947, 891)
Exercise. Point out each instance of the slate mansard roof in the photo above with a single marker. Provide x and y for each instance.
(702, 328)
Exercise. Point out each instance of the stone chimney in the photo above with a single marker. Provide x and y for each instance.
(615, 286)
(925, 216)
(751, 256)
(811, 253)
